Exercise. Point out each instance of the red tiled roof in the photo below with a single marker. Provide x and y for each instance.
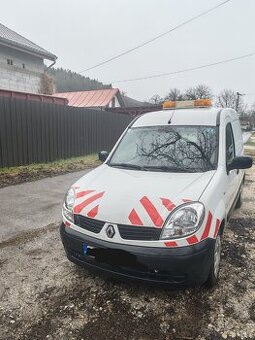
(96, 98)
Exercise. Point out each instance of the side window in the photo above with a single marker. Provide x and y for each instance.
(230, 144)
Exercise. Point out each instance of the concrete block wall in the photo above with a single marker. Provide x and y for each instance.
(15, 77)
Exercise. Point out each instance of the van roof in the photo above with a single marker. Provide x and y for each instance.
(197, 116)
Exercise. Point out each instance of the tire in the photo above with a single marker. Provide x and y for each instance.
(215, 266)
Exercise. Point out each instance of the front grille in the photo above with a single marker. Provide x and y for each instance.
(89, 224)
(139, 233)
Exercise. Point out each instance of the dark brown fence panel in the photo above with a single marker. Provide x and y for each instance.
(34, 132)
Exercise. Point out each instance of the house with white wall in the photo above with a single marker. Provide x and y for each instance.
(21, 62)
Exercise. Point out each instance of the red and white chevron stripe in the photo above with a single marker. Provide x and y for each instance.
(150, 211)
(87, 202)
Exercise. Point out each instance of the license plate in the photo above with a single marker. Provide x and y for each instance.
(113, 257)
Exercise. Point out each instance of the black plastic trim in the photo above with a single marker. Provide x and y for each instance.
(92, 225)
(235, 201)
(179, 266)
(128, 232)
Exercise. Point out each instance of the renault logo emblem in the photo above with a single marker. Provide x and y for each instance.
(110, 232)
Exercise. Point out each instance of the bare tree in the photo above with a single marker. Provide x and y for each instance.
(200, 91)
(250, 116)
(190, 94)
(252, 112)
(203, 91)
(156, 99)
(226, 98)
(174, 148)
(174, 94)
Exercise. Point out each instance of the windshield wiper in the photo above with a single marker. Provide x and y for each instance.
(167, 168)
(152, 168)
(126, 165)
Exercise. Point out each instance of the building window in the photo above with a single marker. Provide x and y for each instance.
(9, 61)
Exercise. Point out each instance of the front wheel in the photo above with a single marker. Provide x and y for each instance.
(215, 267)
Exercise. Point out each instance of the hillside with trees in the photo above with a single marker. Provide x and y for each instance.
(67, 81)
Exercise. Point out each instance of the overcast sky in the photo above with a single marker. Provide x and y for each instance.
(84, 32)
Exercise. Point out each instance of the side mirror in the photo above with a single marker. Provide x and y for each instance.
(102, 155)
(242, 162)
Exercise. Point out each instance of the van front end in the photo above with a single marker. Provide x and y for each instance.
(182, 266)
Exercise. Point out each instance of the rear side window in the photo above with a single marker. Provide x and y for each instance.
(230, 144)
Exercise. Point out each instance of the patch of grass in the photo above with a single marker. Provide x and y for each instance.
(250, 152)
(31, 172)
(250, 142)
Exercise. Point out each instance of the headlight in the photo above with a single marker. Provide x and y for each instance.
(68, 214)
(183, 221)
(70, 199)
(68, 205)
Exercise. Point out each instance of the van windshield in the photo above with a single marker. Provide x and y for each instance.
(168, 148)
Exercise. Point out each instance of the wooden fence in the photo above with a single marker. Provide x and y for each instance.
(35, 132)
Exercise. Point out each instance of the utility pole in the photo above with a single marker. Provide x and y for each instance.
(238, 94)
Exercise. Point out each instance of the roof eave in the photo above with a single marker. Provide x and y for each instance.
(21, 48)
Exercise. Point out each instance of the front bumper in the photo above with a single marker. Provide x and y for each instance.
(176, 266)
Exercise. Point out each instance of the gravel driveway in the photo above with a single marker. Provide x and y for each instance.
(44, 296)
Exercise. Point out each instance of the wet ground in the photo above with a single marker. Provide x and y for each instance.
(44, 296)
(33, 205)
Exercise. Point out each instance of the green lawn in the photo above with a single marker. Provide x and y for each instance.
(251, 141)
(33, 172)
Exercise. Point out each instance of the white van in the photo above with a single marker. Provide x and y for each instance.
(156, 209)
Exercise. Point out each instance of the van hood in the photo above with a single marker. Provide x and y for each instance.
(134, 197)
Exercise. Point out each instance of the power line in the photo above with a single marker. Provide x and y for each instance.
(156, 37)
(186, 70)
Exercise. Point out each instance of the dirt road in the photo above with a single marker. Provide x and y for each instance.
(43, 296)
